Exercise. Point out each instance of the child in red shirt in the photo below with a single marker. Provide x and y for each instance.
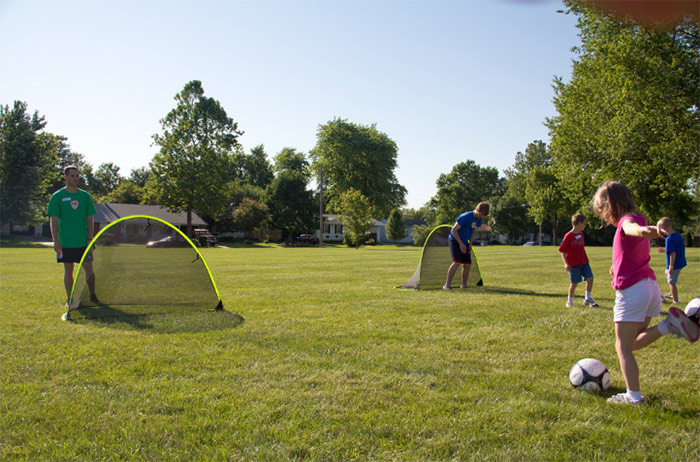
(573, 252)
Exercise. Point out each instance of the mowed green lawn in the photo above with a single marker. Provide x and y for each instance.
(319, 358)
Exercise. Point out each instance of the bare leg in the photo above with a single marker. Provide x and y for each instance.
(632, 336)
(68, 278)
(465, 274)
(451, 273)
(572, 290)
(674, 292)
(589, 285)
(89, 276)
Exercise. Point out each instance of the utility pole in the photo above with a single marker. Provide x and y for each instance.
(320, 206)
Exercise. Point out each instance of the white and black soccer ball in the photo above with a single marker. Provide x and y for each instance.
(692, 309)
(590, 375)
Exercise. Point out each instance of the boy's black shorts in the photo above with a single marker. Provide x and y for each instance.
(72, 255)
(457, 255)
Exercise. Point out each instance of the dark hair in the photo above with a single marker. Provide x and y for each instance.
(578, 218)
(483, 208)
(612, 201)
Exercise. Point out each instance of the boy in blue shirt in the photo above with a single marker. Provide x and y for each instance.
(675, 256)
(460, 242)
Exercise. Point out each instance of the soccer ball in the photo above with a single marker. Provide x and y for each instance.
(590, 375)
(692, 309)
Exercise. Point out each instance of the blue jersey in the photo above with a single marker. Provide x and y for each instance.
(674, 243)
(468, 223)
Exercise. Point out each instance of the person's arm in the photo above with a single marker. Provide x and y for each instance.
(483, 227)
(455, 234)
(54, 234)
(630, 228)
(671, 262)
(566, 262)
(90, 227)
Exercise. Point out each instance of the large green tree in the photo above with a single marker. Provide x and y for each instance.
(192, 168)
(463, 188)
(253, 168)
(395, 226)
(291, 203)
(358, 157)
(356, 212)
(27, 163)
(630, 112)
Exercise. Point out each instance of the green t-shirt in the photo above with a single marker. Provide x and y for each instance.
(72, 210)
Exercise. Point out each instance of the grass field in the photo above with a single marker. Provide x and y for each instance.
(319, 358)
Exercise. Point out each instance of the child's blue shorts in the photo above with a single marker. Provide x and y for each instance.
(580, 273)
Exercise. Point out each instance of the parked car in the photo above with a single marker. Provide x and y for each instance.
(531, 244)
(307, 238)
(201, 234)
(167, 242)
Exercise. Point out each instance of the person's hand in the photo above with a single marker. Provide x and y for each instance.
(463, 248)
(567, 267)
(57, 247)
(486, 227)
(670, 271)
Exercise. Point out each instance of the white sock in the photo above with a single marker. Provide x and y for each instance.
(635, 395)
(570, 300)
(588, 295)
(663, 327)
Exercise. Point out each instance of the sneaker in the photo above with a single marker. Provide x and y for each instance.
(675, 302)
(94, 299)
(569, 304)
(624, 398)
(446, 287)
(590, 302)
(681, 326)
(463, 287)
(65, 317)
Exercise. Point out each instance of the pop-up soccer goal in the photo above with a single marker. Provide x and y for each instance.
(143, 265)
(436, 259)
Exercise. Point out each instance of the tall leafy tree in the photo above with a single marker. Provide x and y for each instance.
(291, 203)
(358, 157)
(250, 215)
(630, 112)
(139, 176)
(192, 168)
(254, 168)
(27, 165)
(395, 226)
(464, 187)
(356, 211)
(105, 179)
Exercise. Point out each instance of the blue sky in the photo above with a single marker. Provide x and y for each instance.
(448, 81)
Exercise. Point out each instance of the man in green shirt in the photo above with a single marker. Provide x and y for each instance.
(71, 210)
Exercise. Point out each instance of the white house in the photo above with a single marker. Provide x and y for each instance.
(107, 213)
(333, 230)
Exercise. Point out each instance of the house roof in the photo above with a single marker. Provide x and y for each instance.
(107, 213)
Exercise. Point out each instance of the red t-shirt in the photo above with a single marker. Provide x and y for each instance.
(575, 249)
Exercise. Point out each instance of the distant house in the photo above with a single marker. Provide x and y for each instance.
(333, 230)
(107, 213)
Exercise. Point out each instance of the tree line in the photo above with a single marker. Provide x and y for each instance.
(630, 112)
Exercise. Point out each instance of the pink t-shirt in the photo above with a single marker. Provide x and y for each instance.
(630, 256)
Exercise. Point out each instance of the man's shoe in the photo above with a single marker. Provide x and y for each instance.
(590, 302)
(569, 304)
(94, 299)
(681, 326)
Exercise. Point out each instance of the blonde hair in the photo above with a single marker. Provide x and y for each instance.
(612, 201)
(577, 218)
(665, 224)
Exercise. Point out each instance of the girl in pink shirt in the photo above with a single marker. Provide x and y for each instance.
(637, 297)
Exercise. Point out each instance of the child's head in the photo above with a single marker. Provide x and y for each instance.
(482, 208)
(612, 201)
(665, 226)
(578, 219)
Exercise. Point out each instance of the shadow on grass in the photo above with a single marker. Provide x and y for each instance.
(12, 243)
(163, 322)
